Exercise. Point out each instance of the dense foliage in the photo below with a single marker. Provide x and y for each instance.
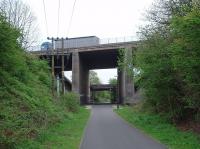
(169, 59)
(113, 95)
(70, 101)
(26, 104)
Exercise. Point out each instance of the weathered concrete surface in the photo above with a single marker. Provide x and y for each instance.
(84, 82)
(129, 84)
(75, 72)
(105, 130)
(121, 85)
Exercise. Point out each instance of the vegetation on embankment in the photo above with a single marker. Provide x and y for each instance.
(64, 135)
(157, 127)
(167, 60)
(27, 108)
(166, 67)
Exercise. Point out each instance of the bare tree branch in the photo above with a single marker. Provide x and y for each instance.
(20, 16)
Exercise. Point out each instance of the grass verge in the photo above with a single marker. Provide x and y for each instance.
(64, 135)
(160, 129)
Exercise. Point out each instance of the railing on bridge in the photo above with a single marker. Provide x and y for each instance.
(118, 40)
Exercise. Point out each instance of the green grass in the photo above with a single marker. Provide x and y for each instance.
(64, 135)
(160, 129)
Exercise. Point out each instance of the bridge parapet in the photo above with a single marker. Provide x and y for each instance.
(80, 43)
(114, 40)
(109, 46)
(102, 87)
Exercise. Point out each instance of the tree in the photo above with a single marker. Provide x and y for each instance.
(168, 59)
(11, 58)
(113, 81)
(94, 79)
(100, 96)
(162, 11)
(19, 15)
(186, 34)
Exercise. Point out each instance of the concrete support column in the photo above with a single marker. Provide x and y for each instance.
(129, 89)
(58, 85)
(75, 72)
(84, 85)
(129, 84)
(80, 78)
(121, 86)
(87, 86)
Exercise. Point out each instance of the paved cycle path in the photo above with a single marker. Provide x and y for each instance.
(106, 130)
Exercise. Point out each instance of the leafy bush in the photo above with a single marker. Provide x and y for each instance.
(71, 101)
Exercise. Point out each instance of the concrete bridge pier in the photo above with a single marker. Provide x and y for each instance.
(58, 85)
(121, 85)
(75, 72)
(129, 89)
(84, 84)
(129, 84)
(126, 90)
(80, 78)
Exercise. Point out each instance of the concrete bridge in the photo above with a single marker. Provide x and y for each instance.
(103, 87)
(82, 59)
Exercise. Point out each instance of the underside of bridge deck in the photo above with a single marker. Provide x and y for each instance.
(100, 59)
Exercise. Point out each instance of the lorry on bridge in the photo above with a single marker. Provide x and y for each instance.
(72, 43)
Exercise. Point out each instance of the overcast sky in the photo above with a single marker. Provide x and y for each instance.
(102, 18)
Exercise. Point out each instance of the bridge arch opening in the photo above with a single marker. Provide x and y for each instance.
(103, 86)
(103, 94)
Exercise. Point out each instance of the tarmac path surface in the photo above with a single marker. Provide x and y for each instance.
(106, 130)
